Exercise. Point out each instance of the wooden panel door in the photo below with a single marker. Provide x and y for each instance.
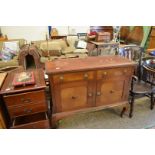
(109, 92)
(76, 91)
(113, 86)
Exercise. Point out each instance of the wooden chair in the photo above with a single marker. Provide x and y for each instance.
(135, 53)
(141, 88)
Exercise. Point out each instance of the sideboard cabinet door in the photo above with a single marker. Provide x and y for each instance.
(112, 86)
(73, 91)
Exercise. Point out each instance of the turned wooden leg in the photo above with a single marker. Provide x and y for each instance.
(123, 111)
(131, 106)
(152, 101)
(54, 124)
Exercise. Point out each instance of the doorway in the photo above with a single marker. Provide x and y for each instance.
(30, 62)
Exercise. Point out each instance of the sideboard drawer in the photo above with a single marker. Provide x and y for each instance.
(25, 98)
(107, 74)
(27, 109)
(69, 77)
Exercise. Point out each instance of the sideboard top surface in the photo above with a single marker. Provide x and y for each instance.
(88, 63)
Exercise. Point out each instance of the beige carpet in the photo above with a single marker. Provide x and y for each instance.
(110, 119)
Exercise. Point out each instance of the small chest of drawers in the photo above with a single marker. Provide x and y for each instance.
(26, 105)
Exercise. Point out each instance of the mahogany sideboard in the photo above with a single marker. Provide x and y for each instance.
(88, 84)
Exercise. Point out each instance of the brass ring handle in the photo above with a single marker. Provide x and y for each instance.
(125, 71)
(111, 91)
(104, 74)
(85, 75)
(90, 94)
(98, 93)
(61, 77)
(28, 110)
(74, 97)
(28, 100)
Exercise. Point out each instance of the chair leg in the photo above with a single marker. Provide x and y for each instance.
(132, 106)
(152, 102)
(123, 111)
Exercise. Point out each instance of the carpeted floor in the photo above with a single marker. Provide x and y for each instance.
(143, 118)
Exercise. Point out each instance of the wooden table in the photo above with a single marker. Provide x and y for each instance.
(26, 105)
(100, 45)
(88, 84)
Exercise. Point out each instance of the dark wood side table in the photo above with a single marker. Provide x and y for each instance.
(26, 105)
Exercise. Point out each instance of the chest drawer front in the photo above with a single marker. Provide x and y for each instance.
(43, 124)
(25, 98)
(27, 109)
(70, 77)
(107, 74)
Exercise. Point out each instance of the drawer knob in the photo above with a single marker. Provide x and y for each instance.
(90, 94)
(98, 93)
(85, 75)
(27, 110)
(111, 91)
(104, 74)
(61, 77)
(125, 71)
(74, 97)
(28, 100)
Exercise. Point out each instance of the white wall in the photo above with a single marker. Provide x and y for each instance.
(27, 32)
(71, 29)
(31, 33)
